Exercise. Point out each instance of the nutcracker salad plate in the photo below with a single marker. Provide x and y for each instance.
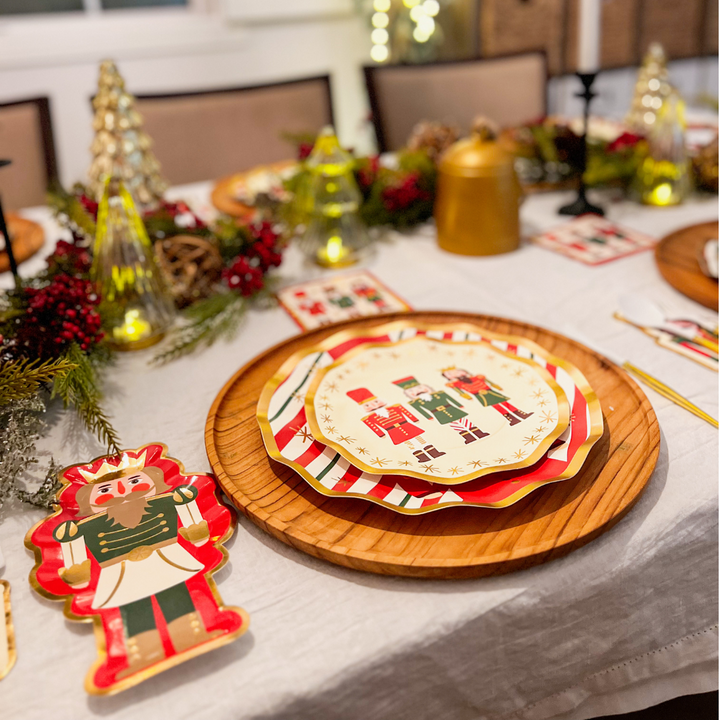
(432, 444)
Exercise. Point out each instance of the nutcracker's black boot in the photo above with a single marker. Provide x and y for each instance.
(434, 452)
(512, 420)
(421, 456)
(479, 434)
(522, 415)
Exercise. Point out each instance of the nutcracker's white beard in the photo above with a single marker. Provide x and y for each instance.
(127, 511)
(427, 397)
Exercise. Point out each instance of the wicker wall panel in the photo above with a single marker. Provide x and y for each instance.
(685, 28)
(710, 41)
(677, 25)
(510, 26)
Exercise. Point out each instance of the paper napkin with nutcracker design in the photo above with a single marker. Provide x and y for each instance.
(131, 547)
(340, 297)
(593, 240)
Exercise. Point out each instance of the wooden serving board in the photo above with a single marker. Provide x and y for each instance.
(27, 238)
(455, 542)
(677, 256)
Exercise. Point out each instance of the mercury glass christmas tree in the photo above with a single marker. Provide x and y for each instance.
(121, 148)
(651, 90)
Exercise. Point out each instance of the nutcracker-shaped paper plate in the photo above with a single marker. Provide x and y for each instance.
(465, 404)
(131, 547)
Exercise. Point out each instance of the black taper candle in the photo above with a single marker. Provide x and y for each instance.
(581, 204)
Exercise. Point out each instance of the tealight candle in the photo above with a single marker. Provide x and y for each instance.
(335, 254)
(133, 330)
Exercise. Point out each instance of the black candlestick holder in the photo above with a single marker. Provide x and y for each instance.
(581, 204)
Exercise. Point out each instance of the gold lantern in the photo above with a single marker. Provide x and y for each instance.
(335, 235)
(478, 196)
(136, 307)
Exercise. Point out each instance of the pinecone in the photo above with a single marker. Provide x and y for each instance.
(433, 137)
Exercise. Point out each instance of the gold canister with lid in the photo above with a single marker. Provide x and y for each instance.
(478, 196)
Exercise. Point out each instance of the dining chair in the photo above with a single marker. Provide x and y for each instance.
(26, 138)
(212, 133)
(509, 90)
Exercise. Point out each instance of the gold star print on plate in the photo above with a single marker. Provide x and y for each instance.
(419, 407)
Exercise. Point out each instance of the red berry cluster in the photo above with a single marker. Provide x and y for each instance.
(303, 150)
(91, 207)
(69, 258)
(57, 315)
(367, 173)
(624, 141)
(246, 274)
(173, 209)
(405, 193)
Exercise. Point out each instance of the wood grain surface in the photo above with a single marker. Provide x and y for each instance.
(27, 238)
(678, 259)
(455, 542)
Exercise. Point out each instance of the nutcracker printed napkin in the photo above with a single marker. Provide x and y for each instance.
(593, 240)
(341, 297)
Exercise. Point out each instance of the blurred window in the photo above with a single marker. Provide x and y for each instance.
(23, 7)
(17, 7)
(114, 4)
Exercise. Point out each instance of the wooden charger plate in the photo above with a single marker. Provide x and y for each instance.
(678, 259)
(452, 543)
(27, 238)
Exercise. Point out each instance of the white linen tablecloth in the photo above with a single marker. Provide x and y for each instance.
(627, 621)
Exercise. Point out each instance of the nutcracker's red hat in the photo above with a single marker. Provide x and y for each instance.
(360, 395)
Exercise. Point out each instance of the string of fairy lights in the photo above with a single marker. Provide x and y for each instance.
(422, 13)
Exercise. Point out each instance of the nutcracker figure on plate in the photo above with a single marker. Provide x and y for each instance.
(132, 546)
(485, 391)
(396, 421)
(438, 405)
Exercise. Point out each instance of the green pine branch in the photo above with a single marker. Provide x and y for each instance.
(22, 378)
(80, 389)
(65, 203)
(217, 316)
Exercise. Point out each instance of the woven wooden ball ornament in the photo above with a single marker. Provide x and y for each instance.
(190, 265)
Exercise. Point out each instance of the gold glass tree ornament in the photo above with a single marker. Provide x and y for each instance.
(663, 175)
(652, 88)
(136, 308)
(335, 236)
(121, 147)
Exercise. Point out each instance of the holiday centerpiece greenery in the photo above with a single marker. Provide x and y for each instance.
(51, 338)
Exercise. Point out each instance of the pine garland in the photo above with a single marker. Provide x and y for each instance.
(209, 320)
(80, 388)
(21, 425)
(22, 378)
(68, 205)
